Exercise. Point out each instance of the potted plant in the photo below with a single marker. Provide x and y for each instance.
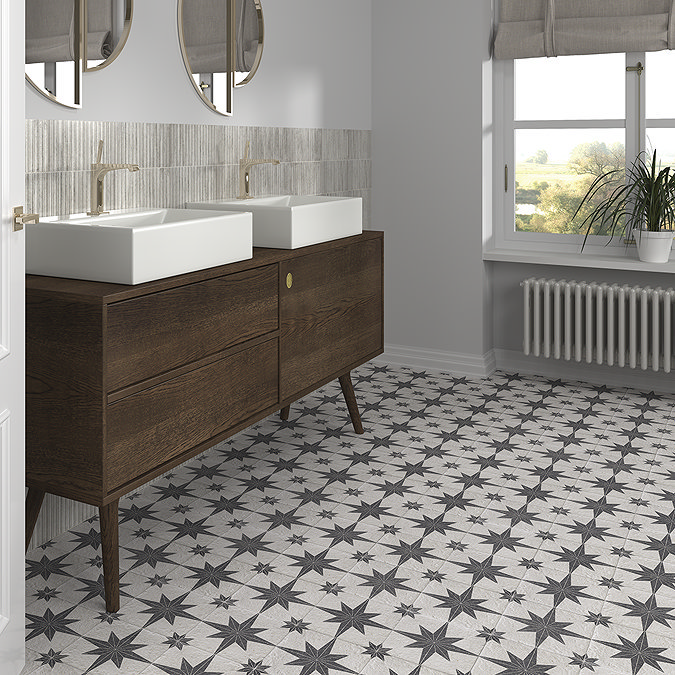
(641, 204)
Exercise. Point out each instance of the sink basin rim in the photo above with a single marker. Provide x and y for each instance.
(99, 248)
(294, 221)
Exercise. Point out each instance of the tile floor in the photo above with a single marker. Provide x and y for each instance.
(512, 526)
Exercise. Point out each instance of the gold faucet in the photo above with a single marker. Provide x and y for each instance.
(245, 165)
(98, 172)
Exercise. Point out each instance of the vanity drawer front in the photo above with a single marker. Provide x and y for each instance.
(151, 427)
(150, 335)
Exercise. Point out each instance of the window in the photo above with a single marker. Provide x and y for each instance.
(565, 121)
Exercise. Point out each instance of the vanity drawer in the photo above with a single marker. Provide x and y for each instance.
(155, 425)
(153, 334)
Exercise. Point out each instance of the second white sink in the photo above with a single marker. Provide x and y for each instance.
(292, 221)
(136, 245)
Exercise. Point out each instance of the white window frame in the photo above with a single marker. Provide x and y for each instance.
(504, 233)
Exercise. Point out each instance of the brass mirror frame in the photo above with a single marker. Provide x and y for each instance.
(80, 49)
(128, 18)
(261, 44)
(229, 58)
(231, 54)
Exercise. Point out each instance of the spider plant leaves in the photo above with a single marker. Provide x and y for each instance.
(644, 200)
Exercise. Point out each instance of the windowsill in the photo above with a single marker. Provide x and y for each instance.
(629, 261)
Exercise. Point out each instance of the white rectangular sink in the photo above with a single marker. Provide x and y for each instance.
(292, 221)
(137, 245)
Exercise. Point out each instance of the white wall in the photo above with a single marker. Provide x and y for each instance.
(315, 72)
(431, 125)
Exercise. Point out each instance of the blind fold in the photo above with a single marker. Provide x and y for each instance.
(535, 28)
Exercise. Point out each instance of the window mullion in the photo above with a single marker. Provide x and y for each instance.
(635, 107)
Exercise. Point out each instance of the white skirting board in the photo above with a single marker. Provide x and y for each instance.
(612, 376)
(430, 359)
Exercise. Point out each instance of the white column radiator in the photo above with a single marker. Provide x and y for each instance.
(599, 323)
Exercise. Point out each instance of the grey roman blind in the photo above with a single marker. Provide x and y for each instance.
(531, 28)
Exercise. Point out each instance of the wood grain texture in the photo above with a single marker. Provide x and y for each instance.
(150, 427)
(64, 397)
(331, 316)
(110, 552)
(159, 332)
(350, 400)
(285, 412)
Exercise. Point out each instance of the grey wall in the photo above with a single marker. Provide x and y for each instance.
(315, 72)
(431, 125)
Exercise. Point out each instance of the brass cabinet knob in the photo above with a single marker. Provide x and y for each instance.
(289, 280)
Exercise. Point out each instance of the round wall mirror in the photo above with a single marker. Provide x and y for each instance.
(222, 43)
(58, 50)
(108, 26)
(250, 37)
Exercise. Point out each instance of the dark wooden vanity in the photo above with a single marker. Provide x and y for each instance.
(125, 382)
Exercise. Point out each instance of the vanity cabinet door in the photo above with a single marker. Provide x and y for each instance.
(331, 315)
(153, 334)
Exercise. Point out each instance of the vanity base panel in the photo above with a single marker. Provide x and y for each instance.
(65, 403)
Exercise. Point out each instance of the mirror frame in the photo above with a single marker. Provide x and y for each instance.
(128, 18)
(80, 48)
(230, 58)
(78, 11)
(261, 45)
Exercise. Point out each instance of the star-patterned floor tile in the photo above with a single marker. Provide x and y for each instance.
(511, 525)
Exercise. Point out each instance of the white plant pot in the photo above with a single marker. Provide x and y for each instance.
(654, 247)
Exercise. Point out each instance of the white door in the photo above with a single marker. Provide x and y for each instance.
(12, 410)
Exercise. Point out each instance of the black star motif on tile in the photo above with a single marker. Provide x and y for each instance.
(639, 652)
(278, 595)
(434, 642)
(45, 567)
(186, 668)
(313, 563)
(318, 659)
(462, 603)
(211, 575)
(387, 582)
(525, 666)
(545, 626)
(352, 617)
(51, 658)
(167, 609)
(150, 556)
(116, 650)
(237, 633)
(49, 624)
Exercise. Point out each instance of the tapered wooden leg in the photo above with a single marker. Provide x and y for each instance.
(285, 412)
(111, 554)
(350, 399)
(34, 500)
